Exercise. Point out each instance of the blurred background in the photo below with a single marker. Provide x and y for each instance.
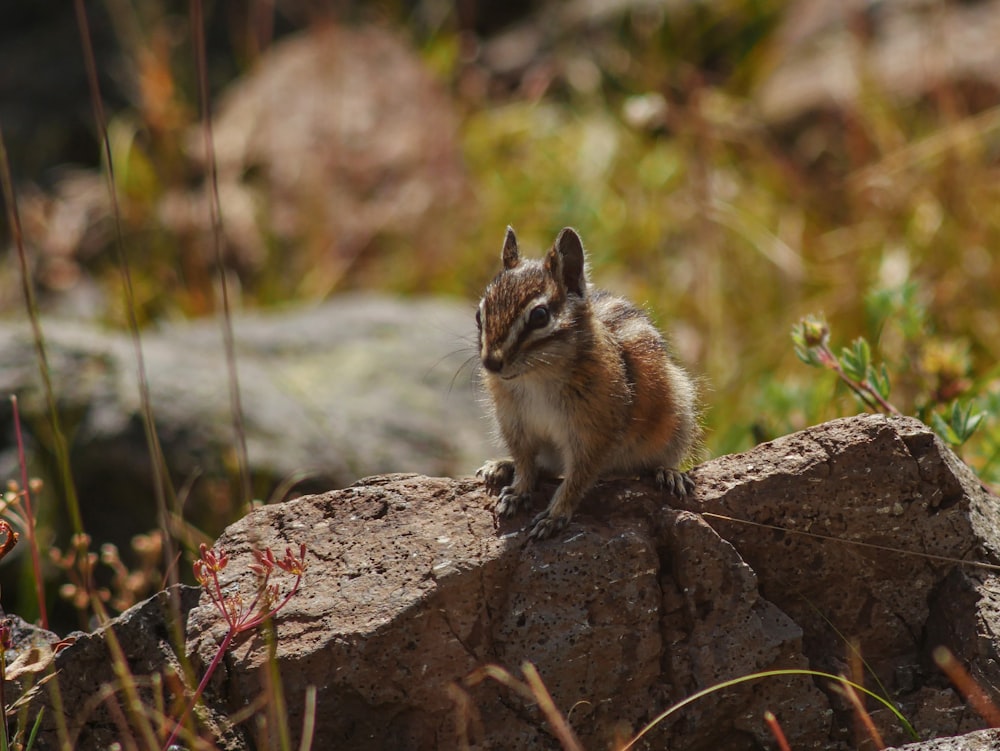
(734, 165)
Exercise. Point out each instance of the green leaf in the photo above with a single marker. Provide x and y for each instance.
(856, 361)
(960, 425)
(879, 380)
(810, 336)
(803, 351)
(806, 355)
(963, 423)
(944, 430)
(900, 306)
(34, 730)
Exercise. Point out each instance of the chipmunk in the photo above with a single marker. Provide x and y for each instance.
(580, 382)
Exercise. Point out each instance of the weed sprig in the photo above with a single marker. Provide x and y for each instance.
(239, 615)
(17, 504)
(871, 384)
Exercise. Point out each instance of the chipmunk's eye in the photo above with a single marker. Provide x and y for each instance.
(479, 319)
(538, 317)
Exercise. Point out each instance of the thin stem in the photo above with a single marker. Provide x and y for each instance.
(757, 676)
(560, 727)
(215, 594)
(215, 209)
(29, 519)
(776, 731)
(226, 641)
(246, 620)
(120, 666)
(59, 439)
(864, 390)
(862, 713)
(308, 719)
(157, 461)
(256, 621)
(3, 702)
(967, 686)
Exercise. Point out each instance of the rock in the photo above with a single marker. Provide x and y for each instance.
(983, 740)
(411, 588)
(360, 385)
(28, 656)
(418, 591)
(866, 530)
(857, 529)
(829, 54)
(92, 711)
(316, 147)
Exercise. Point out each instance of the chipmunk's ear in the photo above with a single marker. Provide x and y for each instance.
(510, 255)
(566, 262)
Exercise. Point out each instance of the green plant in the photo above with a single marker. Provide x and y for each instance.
(854, 366)
(954, 418)
(959, 424)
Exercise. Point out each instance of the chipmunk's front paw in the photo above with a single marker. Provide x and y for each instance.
(510, 501)
(673, 481)
(497, 474)
(546, 524)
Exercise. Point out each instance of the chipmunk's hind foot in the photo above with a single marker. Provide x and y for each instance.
(497, 474)
(510, 501)
(545, 525)
(673, 481)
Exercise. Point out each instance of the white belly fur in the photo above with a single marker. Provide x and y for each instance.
(543, 419)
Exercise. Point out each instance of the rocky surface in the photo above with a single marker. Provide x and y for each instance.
(624, 614)
(835, 510)
(360, 385)
(983, 740)
(90, 709)
(865, 531)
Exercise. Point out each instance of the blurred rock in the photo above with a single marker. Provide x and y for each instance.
(338, 134)
(360, 385)
(829, 54)
(337, 144)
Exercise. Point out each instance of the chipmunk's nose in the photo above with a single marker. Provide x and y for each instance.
(493, 362)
